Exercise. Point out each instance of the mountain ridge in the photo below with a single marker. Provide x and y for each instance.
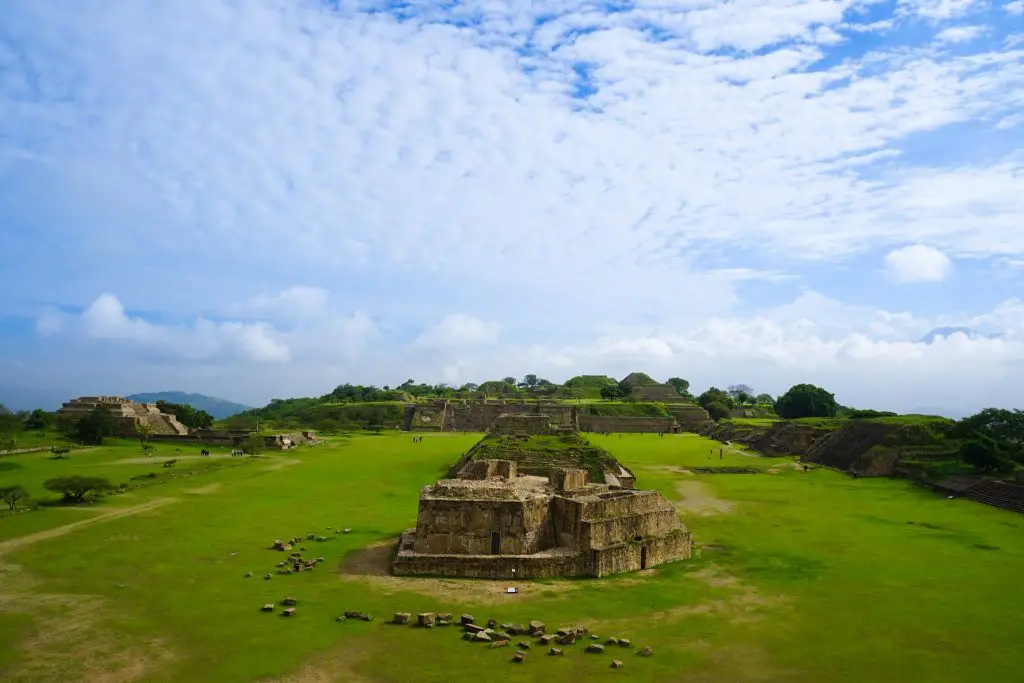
(218, 407)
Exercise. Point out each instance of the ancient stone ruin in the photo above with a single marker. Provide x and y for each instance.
(127, 415)
(532, 505)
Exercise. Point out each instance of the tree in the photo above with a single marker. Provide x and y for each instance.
(611, 393)
(806, 400)
(95, 426)
(680, 384)
(253, 444)
(1005, 427)
(469, 387)
(75, 488)
(38, 420)
(530, 380)
(625, 388)
(983, 454)
(375, 423)
(740, 393)
(717, 410)
(12, 495)
(764, 399)
(509, 380)
(142, 432)
(714, 395)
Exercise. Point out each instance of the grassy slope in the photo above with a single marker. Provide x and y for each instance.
(872, 579)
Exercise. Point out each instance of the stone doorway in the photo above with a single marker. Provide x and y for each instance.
(495, 543)
(643, 557)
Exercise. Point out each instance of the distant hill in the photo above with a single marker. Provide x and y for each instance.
(217, 407)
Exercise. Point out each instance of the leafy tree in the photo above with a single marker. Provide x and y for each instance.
(1005, 427)
(375, 423)
(714, 395)
(12, 495)
(142, 432)
(530, 380)
(806, 400)
(765, 399)
(680, 384)
(509, 380)
(740, 393)
(187, 415)
(95, 426)
(983, 454)
(625, 388)
(38, 420)
(612, 392)
(11, 425)
(75, 488)
(469, 387)
(717, 410)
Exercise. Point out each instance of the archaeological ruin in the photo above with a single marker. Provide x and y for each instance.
(128, 416)
(534, 499)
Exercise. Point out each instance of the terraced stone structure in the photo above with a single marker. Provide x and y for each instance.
(127, 415)
(552, 505)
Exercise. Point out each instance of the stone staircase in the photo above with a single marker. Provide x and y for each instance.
(999, 494)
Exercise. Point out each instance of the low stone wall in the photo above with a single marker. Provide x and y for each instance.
(544, 566)
(691, 418)
(629, 425)
(450, 527)
(629, 503)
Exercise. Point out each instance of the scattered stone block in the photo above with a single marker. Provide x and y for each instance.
(569, 639)
(625, 642)
(401, 618)
(645, 652)
(516, 629)
(269, 607)
(519, 657)
(547, 640)
(468, 636)
(616, 664)
(523, 644)
(310, 537)
(346, 531)
(481, 636)
(499, 643)
(444, 619)
(341, 618)
(491, 623)
(466, 619)
(537, 626)
(473, 628)
(425, 619)
(612, 641)
(266, 577)
(556, 651)
(290, 612)
(248, 575)
(595, 648)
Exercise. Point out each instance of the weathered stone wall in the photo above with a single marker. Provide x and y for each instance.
(659, 393)
(477, 417)
(453, 527)
(613, 530)
(615, 504)
(426, 418)
(567, 479)
(632, 425)
(489, 469)
(645, 554)
(520, 423)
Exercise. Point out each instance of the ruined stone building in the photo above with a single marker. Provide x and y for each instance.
(127, 415)
(539, 503)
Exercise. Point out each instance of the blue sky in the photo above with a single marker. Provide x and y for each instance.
(265, 199)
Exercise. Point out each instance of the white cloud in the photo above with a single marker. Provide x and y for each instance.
(1015, 7)
(458, 330)
(296, 302)
(940, 9)
(959, 34)
(918, 263)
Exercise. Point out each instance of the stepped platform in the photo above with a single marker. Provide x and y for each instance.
(999, 494)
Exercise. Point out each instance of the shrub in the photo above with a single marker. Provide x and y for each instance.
(806, 400)
(717, 410)
(983, 454)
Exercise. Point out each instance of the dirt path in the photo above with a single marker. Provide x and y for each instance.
(15, 543)
(157, 459)
(697, 498)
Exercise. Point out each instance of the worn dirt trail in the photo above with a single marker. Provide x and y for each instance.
(14, 543)
(697, 498)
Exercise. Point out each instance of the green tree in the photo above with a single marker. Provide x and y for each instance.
(806, 400)
(375, 423)
(142, 432)
(983, 454)
(253, 444)
(717, 410)
(75, 488)
(625, 388)
(740, 393)
(1005, 427)
(13, 494)
(95, 426)
(680, 384)
(530, 380)
(509, 380)
(612, 393)
(38, 420)
(764, 399)
(714, 395)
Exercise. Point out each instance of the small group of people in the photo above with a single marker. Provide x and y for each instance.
(205, 452)
(417, 439)
(236, 452)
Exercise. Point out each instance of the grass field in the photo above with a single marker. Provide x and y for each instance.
(800, 576)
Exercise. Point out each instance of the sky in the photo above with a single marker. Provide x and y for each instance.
(259, 199)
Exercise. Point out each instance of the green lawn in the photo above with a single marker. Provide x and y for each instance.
(800, 577)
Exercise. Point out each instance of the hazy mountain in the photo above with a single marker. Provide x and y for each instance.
(218, 407)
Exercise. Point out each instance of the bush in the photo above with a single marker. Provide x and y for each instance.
(12, 495)
(253, 445)
(717, 410)
(983, 454)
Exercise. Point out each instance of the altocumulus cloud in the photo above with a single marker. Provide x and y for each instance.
(464, 191)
